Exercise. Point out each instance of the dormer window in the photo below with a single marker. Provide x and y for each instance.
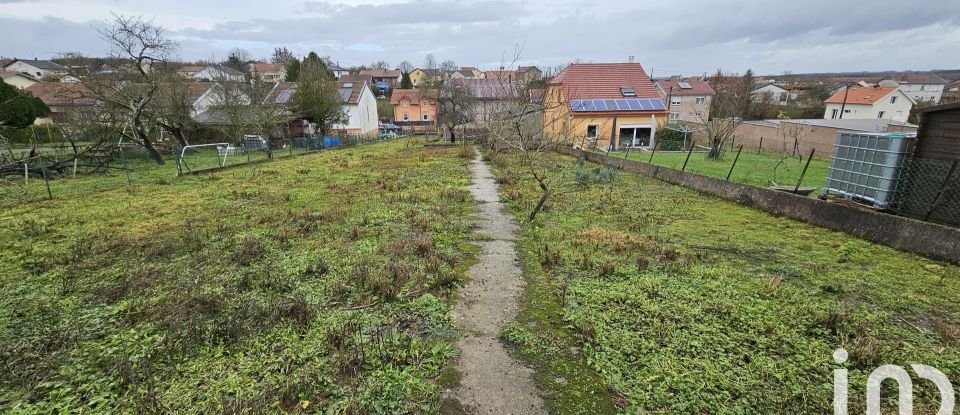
(628, 92)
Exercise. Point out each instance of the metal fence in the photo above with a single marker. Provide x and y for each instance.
(55, 173)
(929, 190)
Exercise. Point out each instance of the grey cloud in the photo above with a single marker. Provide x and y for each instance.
(688, 36)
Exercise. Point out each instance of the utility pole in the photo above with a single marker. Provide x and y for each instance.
(846, 91)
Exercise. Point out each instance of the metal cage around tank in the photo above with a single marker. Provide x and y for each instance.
(866, 166)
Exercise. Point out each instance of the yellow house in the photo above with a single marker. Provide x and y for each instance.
(604, 105)
(419, 76)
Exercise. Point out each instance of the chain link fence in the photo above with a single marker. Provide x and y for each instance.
(929, 190)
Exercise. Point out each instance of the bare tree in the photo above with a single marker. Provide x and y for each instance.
(727, 109)
(172, 108)
(791, 135)
(406, 67)
(380, 65)
(429, 62)
(241, 108)
(448, 66)
(282, 55)
(455, 103)
(138, 47)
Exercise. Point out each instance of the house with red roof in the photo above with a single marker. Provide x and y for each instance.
(413, 105)
(604, 105)
(687, 99)
(859, 102)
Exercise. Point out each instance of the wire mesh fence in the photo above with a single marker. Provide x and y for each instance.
(59, 173)
(929, 190)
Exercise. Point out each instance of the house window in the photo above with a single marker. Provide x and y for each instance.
(834, 113)
(674, 116)
(423, 103)
(675, 101)
(426, 116)
(701, 100)
(404, 103)
(846, 111)
(592, 132)
(893, 99)
(783, 97)
(880, 114)
(406, 116)
(699, 114)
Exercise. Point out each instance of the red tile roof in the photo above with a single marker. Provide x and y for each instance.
(859, 95)
(413, 95)
(604, 80)
(262, 68)
(62, 94)
(697, 87)
(197, 89)
(381, 73)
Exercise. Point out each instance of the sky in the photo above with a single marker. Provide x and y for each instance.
(687, 37)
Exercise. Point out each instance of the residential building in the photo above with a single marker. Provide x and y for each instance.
(920, 86)
(219, 73)
(410, 105)
(772, 93)
(360, 106)
(605, 105)
(858, 102)
(477, 74)
(419, 76)
(357, 78)
(63, 99)
(18, 79)
(268, 72)
(202, 96)
(490, 96)
(687, 99)
(951, 93)
(523, 74)
(384, 78)
(39, 69)
(461, 74)
(337, 70)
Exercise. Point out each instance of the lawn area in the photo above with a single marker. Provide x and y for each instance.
(752, 168)
(317, 284)
(684, 303)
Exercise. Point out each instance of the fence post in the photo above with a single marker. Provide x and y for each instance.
(655, 144)
(689, 152)
(734, 162)
(943, 186)
(804, 172)
(759, 149)
(123, 159)
(26, 173)
(46, 180)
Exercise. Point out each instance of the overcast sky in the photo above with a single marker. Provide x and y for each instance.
(667, 37)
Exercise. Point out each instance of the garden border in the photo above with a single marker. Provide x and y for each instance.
(906, 234)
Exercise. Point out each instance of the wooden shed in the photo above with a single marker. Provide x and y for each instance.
(929, 183)
(939, 134)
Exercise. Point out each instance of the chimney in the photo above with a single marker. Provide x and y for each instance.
(630, 59)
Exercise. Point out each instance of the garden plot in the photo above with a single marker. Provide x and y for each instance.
(684, 303)
(315, 284)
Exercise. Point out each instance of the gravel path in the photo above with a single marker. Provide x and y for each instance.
(492, 382)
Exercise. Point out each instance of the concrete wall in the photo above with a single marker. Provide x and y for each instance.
(779, 139)
(928, 239)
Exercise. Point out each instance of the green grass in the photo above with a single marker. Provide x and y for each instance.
(751, 168)
(684, 303)
(315, 284)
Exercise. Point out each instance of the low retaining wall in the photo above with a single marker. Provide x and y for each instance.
(924, 238)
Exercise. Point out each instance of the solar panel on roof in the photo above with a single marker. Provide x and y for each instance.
(684, 85)
(284, 97)
(628, 104)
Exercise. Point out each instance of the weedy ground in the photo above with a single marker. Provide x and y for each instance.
(319, 284)
(683, 303)
(756, 169)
